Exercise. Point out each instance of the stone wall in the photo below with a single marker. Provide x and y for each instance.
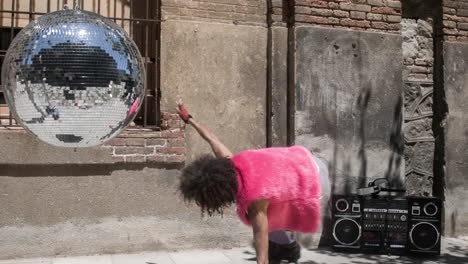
(417, 49)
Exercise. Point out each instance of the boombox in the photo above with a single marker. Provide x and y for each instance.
(396, 225)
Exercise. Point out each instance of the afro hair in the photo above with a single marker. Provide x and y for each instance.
(209, 182)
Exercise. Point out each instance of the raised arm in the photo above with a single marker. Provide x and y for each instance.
(219, 149)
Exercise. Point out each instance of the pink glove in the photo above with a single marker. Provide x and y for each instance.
(133, 107)
(183, 113)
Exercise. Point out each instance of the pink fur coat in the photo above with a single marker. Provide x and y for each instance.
(288, 178)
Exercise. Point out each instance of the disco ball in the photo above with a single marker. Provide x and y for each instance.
(73, 78)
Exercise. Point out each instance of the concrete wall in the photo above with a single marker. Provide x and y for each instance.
(19, 147)
(219, 70)
(56, 201)
(66, 201)
(348, 103)
(80, 210)
(456, 138)
(279, 85)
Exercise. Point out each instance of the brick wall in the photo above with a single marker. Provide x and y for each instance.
(145, 145)
(279, 12)
(369, 15)
(226, 11)
(455, 20)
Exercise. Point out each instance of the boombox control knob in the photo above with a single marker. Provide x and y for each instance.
(403, 218)
(430, 209)
(342, 205)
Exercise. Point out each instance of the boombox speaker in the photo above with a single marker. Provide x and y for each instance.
(346, 222)
(425, 225)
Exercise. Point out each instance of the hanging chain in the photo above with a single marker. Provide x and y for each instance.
(76, 4)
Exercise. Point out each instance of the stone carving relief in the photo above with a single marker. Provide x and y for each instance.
(418, 115)
(419, 138)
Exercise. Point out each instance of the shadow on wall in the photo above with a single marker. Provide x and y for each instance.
(65, 170)
(454, 255)
(347, 184)
(394, 162)
(397, 146)
(447, 258)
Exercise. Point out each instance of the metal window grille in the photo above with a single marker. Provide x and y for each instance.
(140, 18)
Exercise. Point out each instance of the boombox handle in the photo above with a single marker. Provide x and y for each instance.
(376, 187)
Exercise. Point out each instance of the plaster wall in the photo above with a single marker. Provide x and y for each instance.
(85, 210)
(219, 70)
(279, 85)
(20, 147)
(456, 138)
(349, 103)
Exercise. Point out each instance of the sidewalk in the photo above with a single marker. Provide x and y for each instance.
(454, 251)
